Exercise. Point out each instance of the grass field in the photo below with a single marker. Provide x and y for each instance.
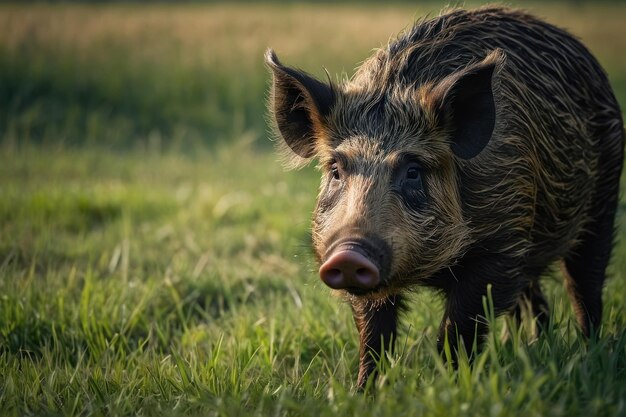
(154, 255)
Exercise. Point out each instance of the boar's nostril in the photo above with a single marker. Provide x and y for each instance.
(349, 269)
(333, 278)
(366, 276)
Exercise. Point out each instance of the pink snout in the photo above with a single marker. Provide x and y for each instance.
(349, 269)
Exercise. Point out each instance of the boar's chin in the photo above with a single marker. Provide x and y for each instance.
(360, 292)
(379, 294)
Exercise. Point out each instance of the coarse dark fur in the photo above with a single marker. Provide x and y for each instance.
(518, 140)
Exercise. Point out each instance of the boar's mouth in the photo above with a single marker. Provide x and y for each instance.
(358, 266)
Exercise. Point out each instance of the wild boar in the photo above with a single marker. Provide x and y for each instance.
(474, 151)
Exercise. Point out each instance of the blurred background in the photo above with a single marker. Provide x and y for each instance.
(170, 75)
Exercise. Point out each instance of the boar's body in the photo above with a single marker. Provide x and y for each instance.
(475, 150)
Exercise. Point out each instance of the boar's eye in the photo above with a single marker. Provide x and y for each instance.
(410, 185)
(334, 170)
(413, 172)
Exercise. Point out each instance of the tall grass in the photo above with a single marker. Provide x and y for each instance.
(177, 285)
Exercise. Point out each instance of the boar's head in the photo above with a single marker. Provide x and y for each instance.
(389, 212)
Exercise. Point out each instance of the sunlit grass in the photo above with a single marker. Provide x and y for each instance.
(173, 284)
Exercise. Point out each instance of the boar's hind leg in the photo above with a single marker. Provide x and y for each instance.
(584, 271)
(585, 266)
(376, 322)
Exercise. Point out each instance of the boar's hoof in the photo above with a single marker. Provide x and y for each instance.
(349, 269)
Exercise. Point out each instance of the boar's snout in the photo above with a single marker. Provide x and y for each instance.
(354, 267)
(349, 269)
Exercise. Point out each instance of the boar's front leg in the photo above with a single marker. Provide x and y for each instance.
(376, 322)
(464, 318)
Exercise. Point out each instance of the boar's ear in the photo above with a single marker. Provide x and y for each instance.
(299, 104)
(465, 107)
